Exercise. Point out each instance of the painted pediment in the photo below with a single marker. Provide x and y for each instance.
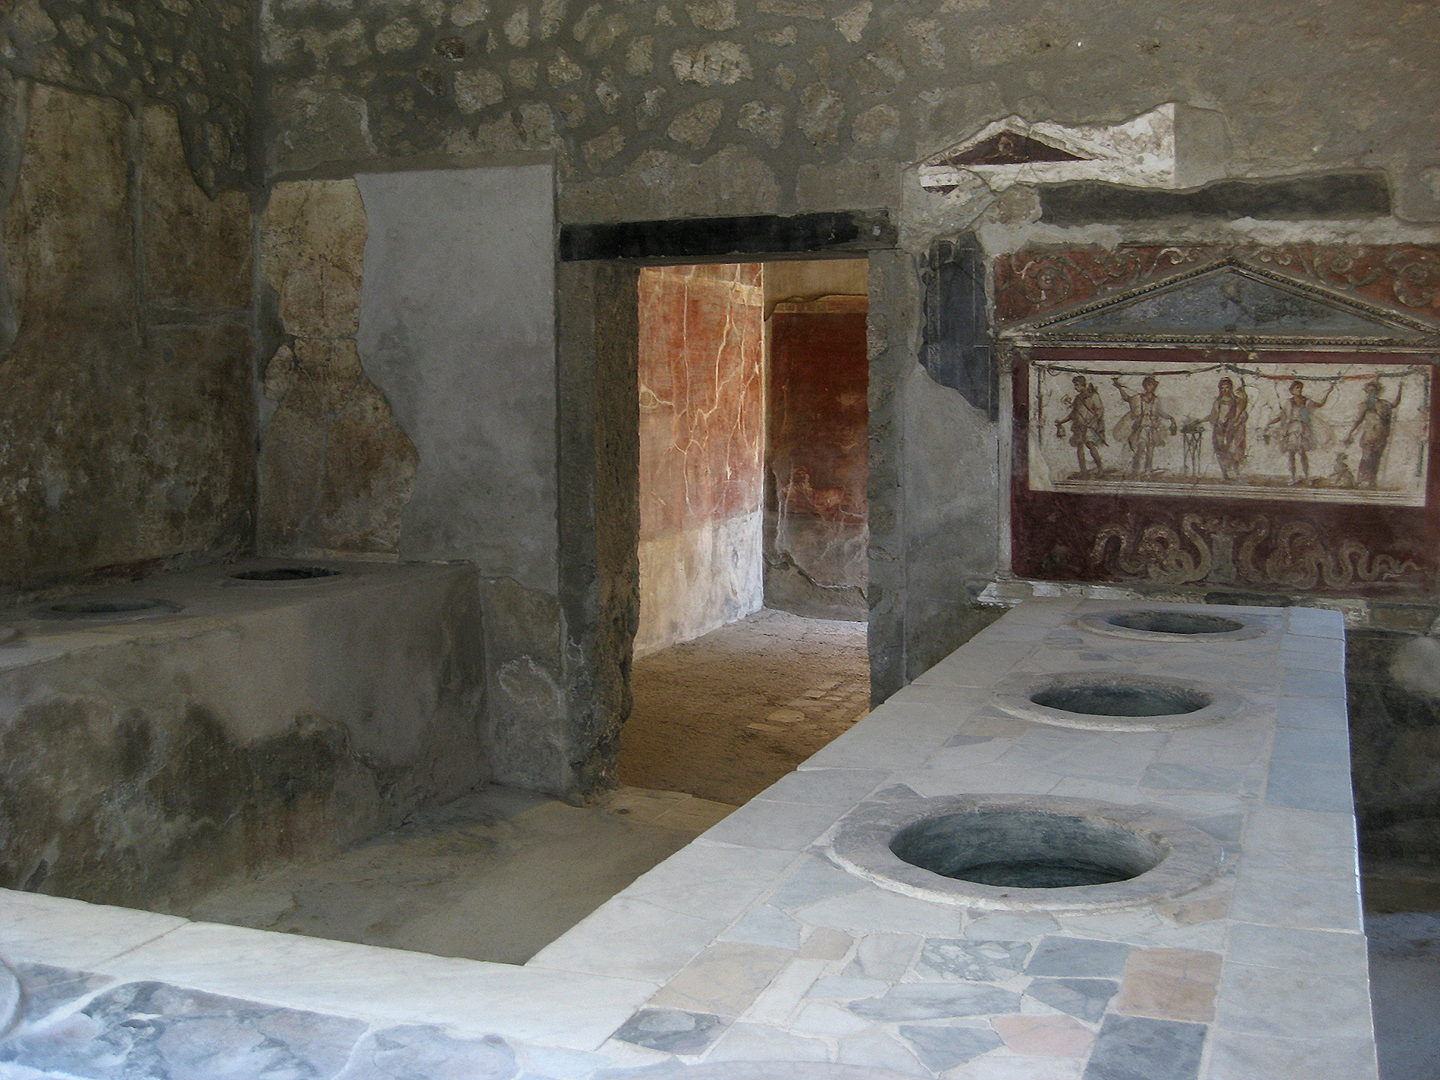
(1229, 303)
(1139, 152)
(1007, 148)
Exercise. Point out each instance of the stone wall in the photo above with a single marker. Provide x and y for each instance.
(702, 420)
(653, 109)
(661, 108)
(127, 415)
(196, 56)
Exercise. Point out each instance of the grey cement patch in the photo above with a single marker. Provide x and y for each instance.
(457, 329)
(1166, 857)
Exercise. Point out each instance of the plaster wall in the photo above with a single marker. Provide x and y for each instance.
(125, 402)
(702, 420)
(457, 330)
(818, 440)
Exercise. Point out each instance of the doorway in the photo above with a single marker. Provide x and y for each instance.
(751, 650)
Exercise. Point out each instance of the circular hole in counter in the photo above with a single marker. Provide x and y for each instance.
(1161, 624)
(1115, 701)
(1119, 696)
(1025, 852)
(107, 609)
(270, 575)
(1027, 849)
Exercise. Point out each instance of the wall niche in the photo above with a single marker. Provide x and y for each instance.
(1256, 420)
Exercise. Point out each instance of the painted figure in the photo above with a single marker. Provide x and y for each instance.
(1228, 419)
(1142, 429)
(1087, 423)
(1373, 424)
(1341, 475)
(1297, 428)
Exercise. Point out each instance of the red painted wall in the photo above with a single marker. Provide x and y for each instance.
(702, 423)
(818, 455)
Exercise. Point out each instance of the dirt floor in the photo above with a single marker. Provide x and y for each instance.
(725, 716)
(500, 873)
(496, 875)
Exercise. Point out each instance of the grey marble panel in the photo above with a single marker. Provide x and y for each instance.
(420, 1050)
(814, 880)
(1318, 714)
(153, 1031)
(1084, 999)
(671, 1030)
(981, 961)
(1301, 683)
(1191, 778)
(928, 1001)
(941, 1048)
(1301, 786)
(1138, 1048)
(45, 990)
(1313, 747)
(1078, 957)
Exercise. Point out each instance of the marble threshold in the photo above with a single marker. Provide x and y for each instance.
(752, 955)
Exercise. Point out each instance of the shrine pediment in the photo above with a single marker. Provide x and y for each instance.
(1230, 303)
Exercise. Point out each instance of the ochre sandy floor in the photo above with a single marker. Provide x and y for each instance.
(496, 875)
(725, 716)
(500, 873)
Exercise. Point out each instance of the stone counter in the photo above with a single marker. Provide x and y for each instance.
(752, 954)
(151, 752)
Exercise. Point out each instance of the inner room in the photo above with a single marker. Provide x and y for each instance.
(750, 653)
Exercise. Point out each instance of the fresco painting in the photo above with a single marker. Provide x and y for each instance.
(1242, 427)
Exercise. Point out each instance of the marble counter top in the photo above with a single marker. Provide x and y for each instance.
(751, 954)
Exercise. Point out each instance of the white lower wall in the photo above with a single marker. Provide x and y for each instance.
(698, 580)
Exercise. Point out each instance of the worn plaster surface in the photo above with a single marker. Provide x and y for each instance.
(127, 417)
(702, 442)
